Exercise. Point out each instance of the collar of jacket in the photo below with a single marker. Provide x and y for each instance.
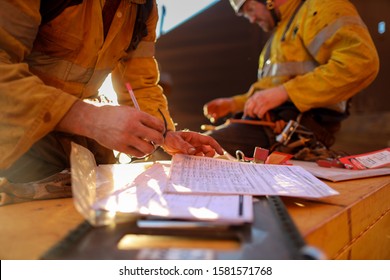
(138, 1)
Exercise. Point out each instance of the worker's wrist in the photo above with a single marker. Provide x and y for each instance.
(77, 118)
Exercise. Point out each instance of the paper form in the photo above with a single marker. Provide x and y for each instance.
(376, 159)
(146, 196)
(202, 175)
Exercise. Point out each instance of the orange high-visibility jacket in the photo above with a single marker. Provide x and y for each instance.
(45, 69)
(323, 57)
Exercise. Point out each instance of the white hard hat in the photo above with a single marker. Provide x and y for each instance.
(270, 4)
(237, 4)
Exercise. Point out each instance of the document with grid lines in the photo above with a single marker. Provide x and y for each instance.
(203, 175)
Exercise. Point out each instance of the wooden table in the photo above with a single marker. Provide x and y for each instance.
(352, 225)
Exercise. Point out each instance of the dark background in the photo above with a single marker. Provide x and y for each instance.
(215, 54)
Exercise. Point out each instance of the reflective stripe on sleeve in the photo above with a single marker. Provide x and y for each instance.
(287, 68)
(330, 30)
(61, 69)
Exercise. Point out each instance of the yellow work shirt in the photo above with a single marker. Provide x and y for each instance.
(321, 52)
(45, 68)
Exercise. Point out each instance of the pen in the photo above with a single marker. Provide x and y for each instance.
(131, 92)
(135, 102)
(240, 205)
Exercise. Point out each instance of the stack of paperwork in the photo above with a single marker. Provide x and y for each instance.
(186, 188)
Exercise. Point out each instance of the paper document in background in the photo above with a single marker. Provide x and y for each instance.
(339, 174)
(209, 175)
(145, 196)
(375, 159)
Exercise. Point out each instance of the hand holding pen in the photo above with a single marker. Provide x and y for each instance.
(135, 102)
(183, 142)
(136, 105)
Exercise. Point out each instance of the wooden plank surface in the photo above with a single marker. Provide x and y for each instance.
(354, 224)
(335, 223)
(29, 229)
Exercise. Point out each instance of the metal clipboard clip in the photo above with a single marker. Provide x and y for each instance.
(259, 156)
(240, 156)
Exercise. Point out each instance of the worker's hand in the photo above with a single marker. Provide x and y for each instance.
(191, 143)
(218, 108)
(120, 128)
(264, 100)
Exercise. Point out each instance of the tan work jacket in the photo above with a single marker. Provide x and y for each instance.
(322, 55)
(45, 69)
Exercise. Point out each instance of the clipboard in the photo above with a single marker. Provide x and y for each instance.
(271, 236)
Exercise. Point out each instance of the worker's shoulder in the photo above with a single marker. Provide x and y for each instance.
(330, 9)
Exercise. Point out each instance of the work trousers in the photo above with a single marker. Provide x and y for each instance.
(51, 155)
(245, 137)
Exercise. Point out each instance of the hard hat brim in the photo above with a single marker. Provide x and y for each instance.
(237, 5)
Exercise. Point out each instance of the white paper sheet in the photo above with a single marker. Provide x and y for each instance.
(145, 196)
(202, 175)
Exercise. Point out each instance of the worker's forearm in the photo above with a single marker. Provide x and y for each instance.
(78, 120)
